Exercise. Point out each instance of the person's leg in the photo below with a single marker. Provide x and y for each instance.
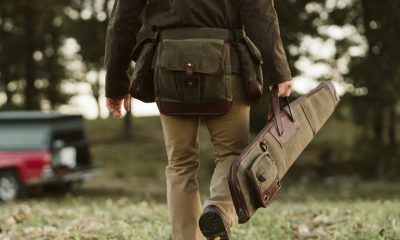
(184, 205)
(229, 135)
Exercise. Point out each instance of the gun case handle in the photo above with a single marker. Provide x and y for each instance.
(275, 109)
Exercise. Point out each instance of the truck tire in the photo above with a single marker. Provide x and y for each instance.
(10, 185)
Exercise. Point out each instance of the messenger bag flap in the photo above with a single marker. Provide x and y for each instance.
(206, 56)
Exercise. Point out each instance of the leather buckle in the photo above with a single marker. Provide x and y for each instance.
(190, 81)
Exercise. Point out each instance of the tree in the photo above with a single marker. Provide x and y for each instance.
(89, 29)
(35, 27)
(296, 22)
(363, 34)
(378, 73)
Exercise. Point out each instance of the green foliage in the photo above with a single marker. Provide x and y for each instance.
(30, 58)
(32, 35)
(366, 60)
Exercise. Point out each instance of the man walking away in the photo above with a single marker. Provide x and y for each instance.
(229, 132)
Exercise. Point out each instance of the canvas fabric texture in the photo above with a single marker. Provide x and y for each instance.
(128, 17)
(229, 135)
(278, 151)
(193, 77)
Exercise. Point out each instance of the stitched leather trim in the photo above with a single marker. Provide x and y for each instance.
(308, 119)
(291, 128)
(267, 196)
(242, 205)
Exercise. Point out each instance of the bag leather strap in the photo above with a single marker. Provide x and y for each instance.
(275, 109)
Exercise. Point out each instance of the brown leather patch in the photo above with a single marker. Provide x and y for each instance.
(290, 128)
(269, 194)
(194, 109)
(190, 81)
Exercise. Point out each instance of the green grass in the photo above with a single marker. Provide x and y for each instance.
(80, 218)
(126, 200)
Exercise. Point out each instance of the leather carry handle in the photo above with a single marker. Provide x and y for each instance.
(275, 109)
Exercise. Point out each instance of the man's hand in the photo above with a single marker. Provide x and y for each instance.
(114, 105)
(284, 89)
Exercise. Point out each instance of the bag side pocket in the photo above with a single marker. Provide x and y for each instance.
(264, 177)
(142, 79)
(250, 67)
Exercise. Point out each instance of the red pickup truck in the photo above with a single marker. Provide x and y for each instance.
(43, 149)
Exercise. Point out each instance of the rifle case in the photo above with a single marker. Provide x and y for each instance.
(255, 176)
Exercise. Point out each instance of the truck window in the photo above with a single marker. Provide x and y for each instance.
(70, 136)
(22, 138)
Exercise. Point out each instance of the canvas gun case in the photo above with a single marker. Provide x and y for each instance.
(255, 176)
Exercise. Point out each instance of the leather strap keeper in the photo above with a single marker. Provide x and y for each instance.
(269, 194)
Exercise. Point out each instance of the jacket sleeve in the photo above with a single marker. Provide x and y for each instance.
(261, 24)
(121, 38)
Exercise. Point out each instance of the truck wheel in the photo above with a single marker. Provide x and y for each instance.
(10, 186)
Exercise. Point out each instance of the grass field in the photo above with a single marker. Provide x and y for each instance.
(83, 218)
(126, 199)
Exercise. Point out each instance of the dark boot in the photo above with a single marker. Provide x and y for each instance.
(213, 224)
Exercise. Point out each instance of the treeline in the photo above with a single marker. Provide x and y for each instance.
(33, 62)
(354, 42)
(366, 60)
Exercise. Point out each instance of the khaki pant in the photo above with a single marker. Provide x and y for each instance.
(229, 136)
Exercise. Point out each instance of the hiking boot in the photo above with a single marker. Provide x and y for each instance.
(213, 224)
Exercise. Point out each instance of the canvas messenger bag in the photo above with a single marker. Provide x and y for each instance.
(188, 71)
(255, 176)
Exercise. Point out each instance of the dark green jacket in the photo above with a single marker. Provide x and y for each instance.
(258, 17)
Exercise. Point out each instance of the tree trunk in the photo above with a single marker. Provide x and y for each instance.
(52, 90)
(31, 96)
(98, 107)
(96, 93)
(392, 130)
(4, 77)
(378, 125)
(127, 131)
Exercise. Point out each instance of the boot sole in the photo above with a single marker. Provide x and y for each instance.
(212, 226)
